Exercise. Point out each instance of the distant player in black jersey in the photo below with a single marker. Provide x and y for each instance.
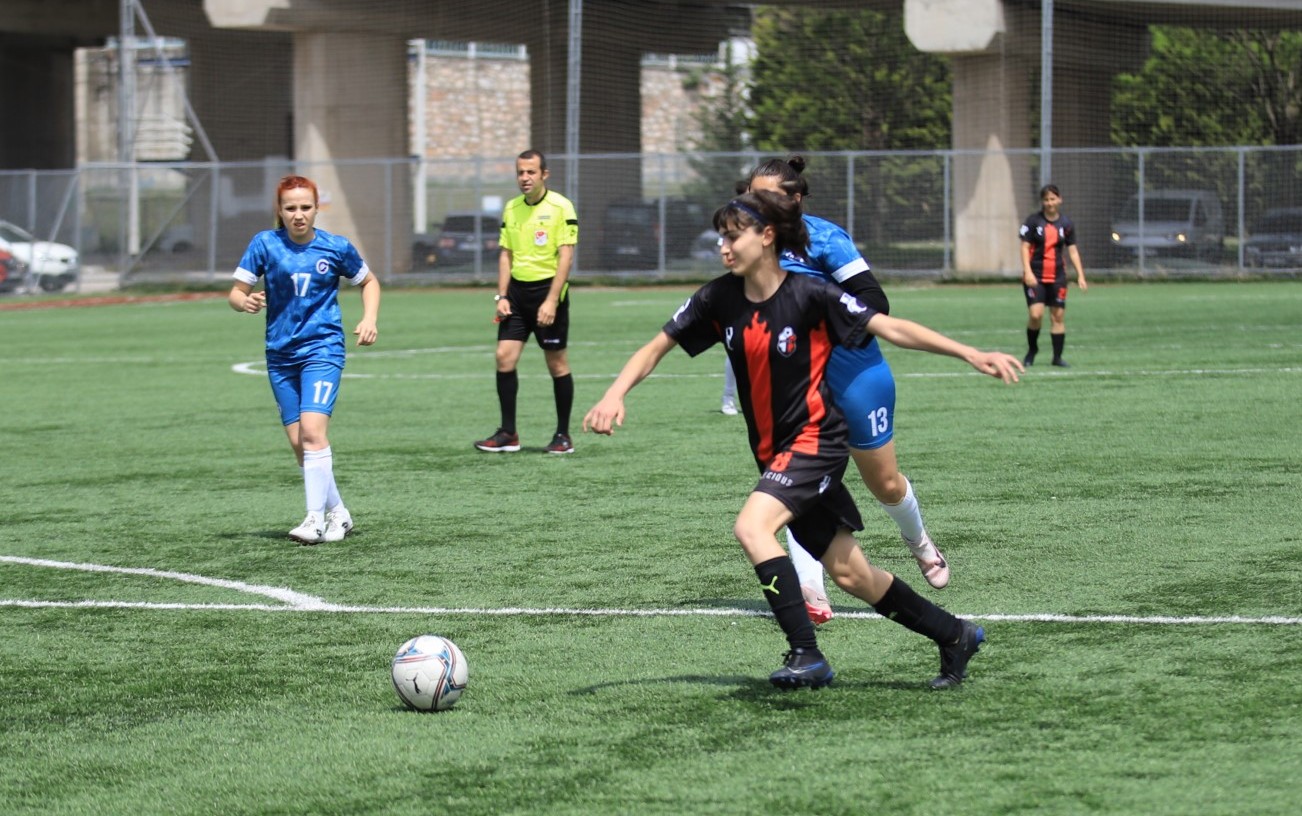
(779, 329)
(1048, 240)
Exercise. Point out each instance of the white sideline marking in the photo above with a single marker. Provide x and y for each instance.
(299, 602)
(296, 600)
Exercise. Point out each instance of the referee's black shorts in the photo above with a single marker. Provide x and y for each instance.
(523, 321)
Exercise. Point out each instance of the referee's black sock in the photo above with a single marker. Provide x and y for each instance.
(508, 385)
(781, 587)
(1032, 342)
(912, 611)
(1059, 340)
(563, 389)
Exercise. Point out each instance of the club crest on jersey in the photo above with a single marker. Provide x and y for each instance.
(852, 304)
(787, 342)
(540, 237)
(322, 266)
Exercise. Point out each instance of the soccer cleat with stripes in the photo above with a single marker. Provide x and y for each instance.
(803, 668)
(561, 444)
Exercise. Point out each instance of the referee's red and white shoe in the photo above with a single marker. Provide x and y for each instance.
(816, 604)
(561, 443)
(930, 560)
(500, 442)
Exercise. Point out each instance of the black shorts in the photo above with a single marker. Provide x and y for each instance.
(811, 488)
(523, 321)
(1050, 294)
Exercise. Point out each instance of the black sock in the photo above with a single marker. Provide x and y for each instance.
(508, 385)
(1032, 342)
(782, 590)
(1058, 341)
(563, 389)
(912, 611)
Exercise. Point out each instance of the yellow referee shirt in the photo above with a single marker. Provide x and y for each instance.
(534, 233)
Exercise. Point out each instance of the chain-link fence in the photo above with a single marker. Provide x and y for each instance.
(1208, 212)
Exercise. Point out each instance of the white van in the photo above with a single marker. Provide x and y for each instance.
(1175, 222)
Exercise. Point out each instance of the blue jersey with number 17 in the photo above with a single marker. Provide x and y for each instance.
(302, 286)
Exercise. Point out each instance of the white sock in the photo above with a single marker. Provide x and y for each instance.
(318, 475)
(808, 569)
(729, 381)
(907, 515)
(333, 500)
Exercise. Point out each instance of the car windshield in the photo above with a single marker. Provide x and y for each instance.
(11, 233)
(1279, 223)
(1158, 209)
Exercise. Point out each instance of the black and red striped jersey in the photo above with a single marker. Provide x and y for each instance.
(779, 351)
(1049, 240)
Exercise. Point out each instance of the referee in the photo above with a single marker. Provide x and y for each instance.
(539, 233)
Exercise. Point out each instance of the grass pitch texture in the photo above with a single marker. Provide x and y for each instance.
(1127, 530)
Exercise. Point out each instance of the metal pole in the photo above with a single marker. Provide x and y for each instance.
(572, 104)
(1046, 91)
(126, 129)
(420, 210)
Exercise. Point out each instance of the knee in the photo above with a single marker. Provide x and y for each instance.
(887, 487)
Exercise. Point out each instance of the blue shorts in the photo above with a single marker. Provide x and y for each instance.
(866, 395)
(311, 386)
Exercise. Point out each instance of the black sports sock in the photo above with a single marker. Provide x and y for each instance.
(781, 587)
(563, 389)
(1058, 341)
(912, 611)
(508, 385)
(1032, 342)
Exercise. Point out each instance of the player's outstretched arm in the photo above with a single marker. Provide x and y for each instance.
(910, 335)
(609, 412)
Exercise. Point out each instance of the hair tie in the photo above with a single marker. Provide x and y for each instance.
(738, 205)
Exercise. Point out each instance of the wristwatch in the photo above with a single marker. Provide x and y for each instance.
(496, 298)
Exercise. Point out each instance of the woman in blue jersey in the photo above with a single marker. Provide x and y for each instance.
(300, 267)
(780, 330)
(861, 382)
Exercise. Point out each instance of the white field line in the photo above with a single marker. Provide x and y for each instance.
(258, 368)
(299, 602)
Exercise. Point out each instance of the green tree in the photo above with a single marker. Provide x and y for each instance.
(1201, 87)
(844, 80)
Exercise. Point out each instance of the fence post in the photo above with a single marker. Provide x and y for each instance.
(1242, 155)
(947, 158)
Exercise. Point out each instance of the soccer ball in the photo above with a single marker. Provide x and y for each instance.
(429, 673)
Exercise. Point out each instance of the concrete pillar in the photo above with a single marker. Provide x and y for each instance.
(996, 64)
(350, 102)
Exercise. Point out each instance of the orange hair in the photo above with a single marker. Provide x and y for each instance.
(293, 183)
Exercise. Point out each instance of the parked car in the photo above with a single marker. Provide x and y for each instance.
(52, 266)
(12, 272)
(632, 231)
(454, 243)
(1275, 240)
(1175, 222)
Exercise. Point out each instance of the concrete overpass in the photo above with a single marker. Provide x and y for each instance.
(254, 45)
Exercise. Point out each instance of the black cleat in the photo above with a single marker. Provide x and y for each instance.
(803, 668)
(1060, 363)
(953, 659)
(1029, 359)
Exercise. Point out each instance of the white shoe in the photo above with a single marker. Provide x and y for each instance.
(338, 523)
(310, 531)
(728, 407)
(930, 560)
(816, 604)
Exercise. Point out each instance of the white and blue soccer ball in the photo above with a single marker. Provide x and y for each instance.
(429, 673)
